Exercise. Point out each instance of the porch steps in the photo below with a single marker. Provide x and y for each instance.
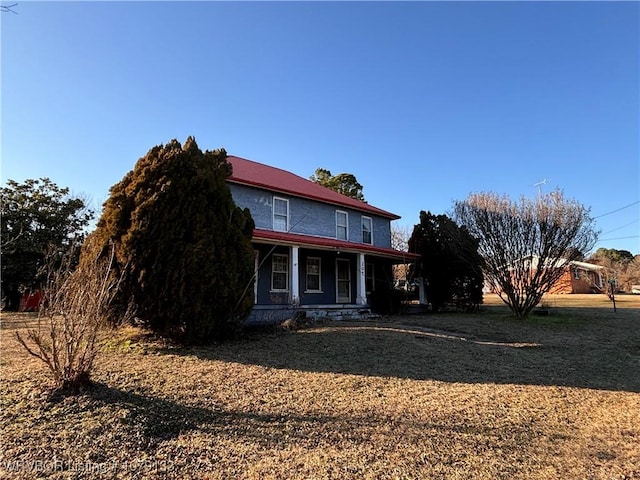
(269, 316)
(352, 314)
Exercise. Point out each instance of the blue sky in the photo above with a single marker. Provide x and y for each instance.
(425, 102)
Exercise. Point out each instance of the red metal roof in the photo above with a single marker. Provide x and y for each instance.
(248, 172)
(269, 236)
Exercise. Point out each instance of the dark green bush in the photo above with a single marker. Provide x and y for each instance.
(183, 248)
(386, 300)
(449, 262)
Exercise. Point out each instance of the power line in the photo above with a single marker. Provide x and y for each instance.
(621, 227)
(617, 238)
(8, 8)
(618, 209)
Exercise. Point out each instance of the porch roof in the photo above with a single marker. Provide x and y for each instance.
(323, 243)
(587, 266)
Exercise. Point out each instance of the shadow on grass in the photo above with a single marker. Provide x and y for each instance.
(154, 420)
(160, 419)
(570, 358)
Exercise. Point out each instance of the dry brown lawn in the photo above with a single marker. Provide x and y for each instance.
(447, 396)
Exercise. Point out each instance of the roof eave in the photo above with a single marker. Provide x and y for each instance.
(370, 209)
(322, 243)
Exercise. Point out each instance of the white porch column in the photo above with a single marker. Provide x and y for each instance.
(256, 268)
(295, 276)
(421, 293)
(361, 281)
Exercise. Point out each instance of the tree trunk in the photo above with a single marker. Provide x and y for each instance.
(11, 298)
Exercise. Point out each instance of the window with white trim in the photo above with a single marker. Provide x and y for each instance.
(342, 225)
(313, 274)
(279, 273)
(576, 274)
(280, 214)
(367, 230)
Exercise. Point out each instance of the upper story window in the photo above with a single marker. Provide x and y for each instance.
(342, 225)
(280, 214)
(367, 228)
(576, 274)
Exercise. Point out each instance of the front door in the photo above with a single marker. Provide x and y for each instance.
(343, 275)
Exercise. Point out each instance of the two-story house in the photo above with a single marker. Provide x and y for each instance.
(315, 249)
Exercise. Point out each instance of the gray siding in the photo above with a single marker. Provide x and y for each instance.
(265, 295)
(308, 217)
(381, 232)
(259, 203)
(273, 307)
(327, 280)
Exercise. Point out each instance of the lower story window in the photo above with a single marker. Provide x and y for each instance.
(369, 278)
(280, 272)
(313, 274)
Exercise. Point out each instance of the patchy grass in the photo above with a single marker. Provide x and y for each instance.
(437, 396)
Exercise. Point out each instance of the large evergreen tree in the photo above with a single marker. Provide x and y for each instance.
(183, 248)
(449, 262)
(39, 218)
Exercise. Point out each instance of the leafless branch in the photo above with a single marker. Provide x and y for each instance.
(8, 8)
(526, 245)
(70, 319)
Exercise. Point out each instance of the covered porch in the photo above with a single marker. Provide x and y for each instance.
(322, 277)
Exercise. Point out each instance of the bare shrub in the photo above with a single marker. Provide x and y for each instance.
(70, 319)
(526, 245)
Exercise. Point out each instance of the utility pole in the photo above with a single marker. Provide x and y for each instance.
(612, 284)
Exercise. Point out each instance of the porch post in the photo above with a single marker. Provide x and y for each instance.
(295, 276)
(421, 292)
(361, 284)
(256, 268)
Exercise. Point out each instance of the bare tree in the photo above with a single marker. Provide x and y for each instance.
(526, 245)
(70, 319)
(619, 266)
(400, 235)
(632, 273)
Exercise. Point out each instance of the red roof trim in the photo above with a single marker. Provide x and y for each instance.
(330, 243)
(248, 172)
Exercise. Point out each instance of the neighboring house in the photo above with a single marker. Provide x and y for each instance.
(315, 249)
(577, 277)
(581, 277)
